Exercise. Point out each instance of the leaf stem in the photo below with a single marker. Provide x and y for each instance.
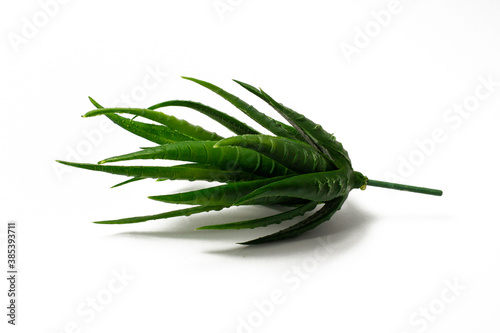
(401, 187)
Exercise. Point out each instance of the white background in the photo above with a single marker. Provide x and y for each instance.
(390, 257)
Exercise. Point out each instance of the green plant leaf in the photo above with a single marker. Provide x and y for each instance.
(179, 125)
(224, 119)
(265, 121)
(322, 215)
(264, 221)
(226, 158)
(175, 213)
(294, 155)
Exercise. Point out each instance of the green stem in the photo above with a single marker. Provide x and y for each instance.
(402, 187)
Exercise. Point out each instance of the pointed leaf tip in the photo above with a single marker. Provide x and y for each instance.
(64, 162)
